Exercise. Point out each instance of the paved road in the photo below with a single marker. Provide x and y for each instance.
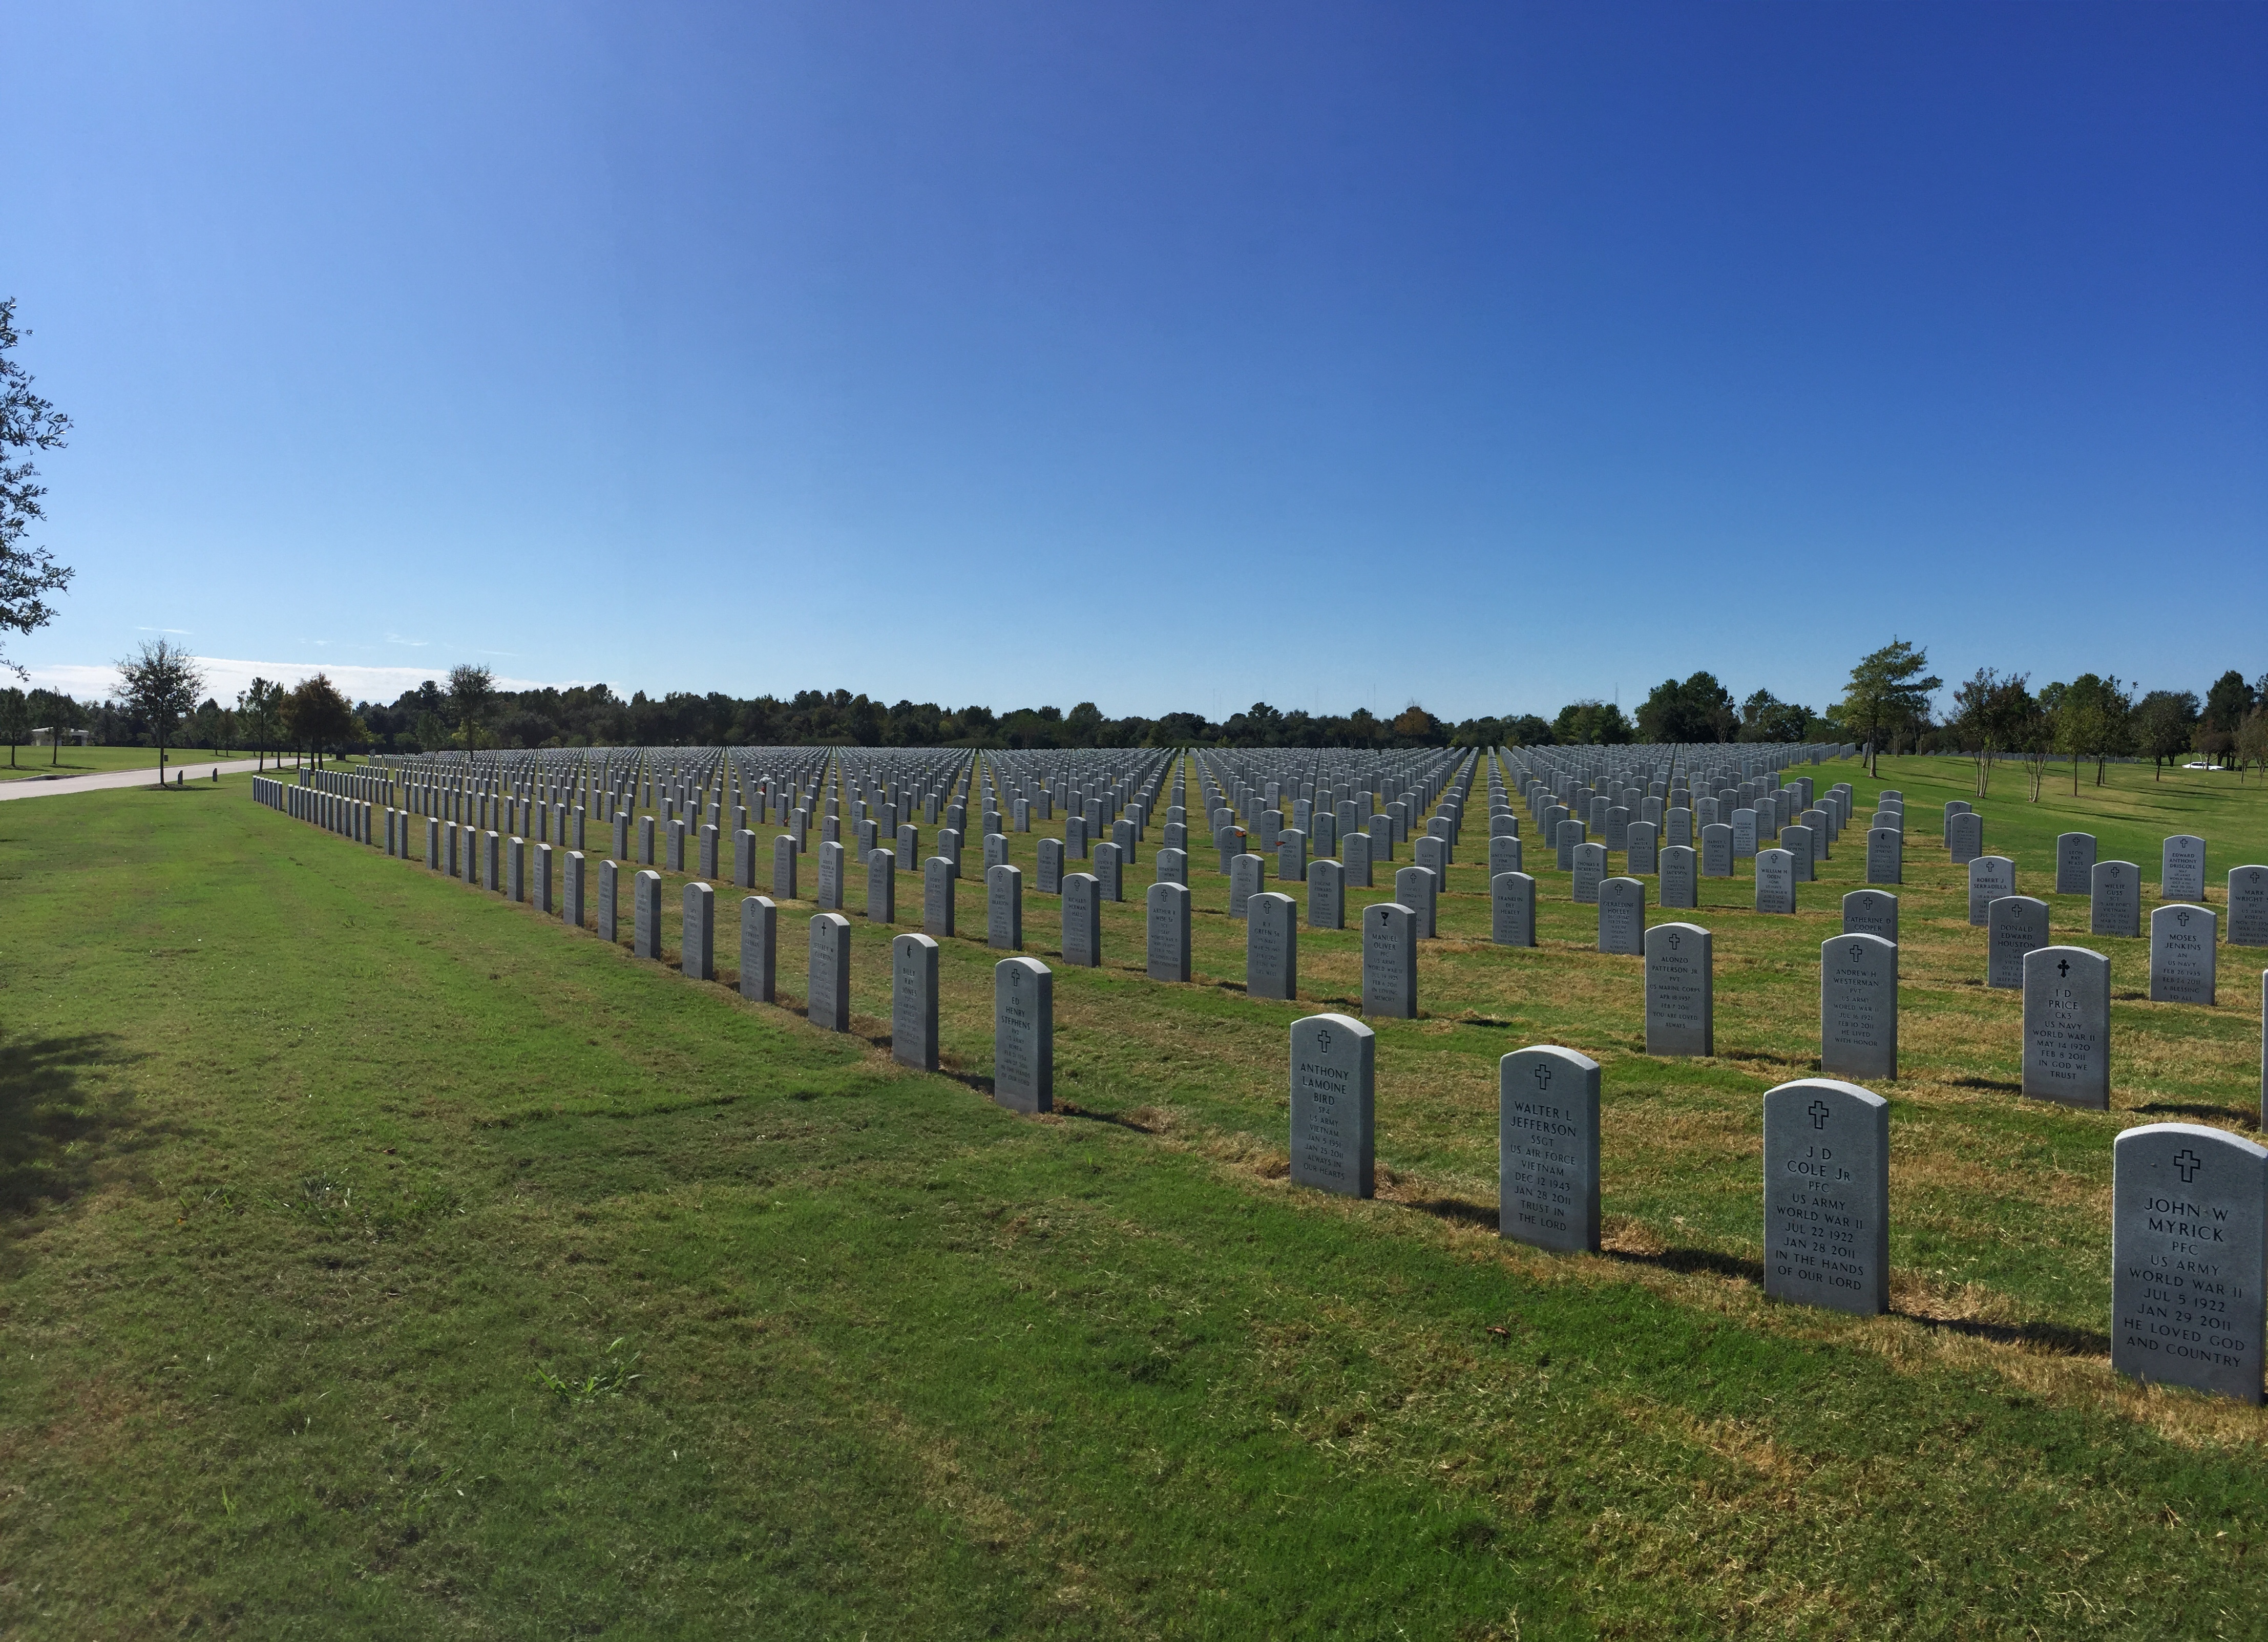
(38, 789)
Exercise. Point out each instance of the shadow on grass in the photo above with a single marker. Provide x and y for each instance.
(1688, 1261)
(52, 1127)
(2243, 1117)
(2060, 1338)
(1462, 1210)
(2000, 1084)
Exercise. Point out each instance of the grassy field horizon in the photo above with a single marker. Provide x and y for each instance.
(382, 1258)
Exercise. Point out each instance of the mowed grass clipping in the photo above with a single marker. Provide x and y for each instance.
(381, 1259)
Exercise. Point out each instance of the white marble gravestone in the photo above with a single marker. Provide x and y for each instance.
(697, 941)
(2075, 863)
(1858, 1006)
(759, 945)
(1716, 851)
(1246, 874)
(1990, 878)
(2181, 873)
(1082, 920)
(1681, 1003)
(1775, 881)
(1024, 1033)
(645, 914)
(913, 1002)
(1354, 855)
(2067, 1026)
(2248, 906)
(2015, 926)
(2189, 1217)
(784, 853)
(2183, 952)
(1511, 909)
(1325, 896)
(1271, 946)
(2114, 899)
(828, 1002)
(1680, 874)
(1622, 915)
(1389, 960)
(1333, 1060)
(1548, 1148)
(938, 891)
(1004, 908)
(1827, 1195)
(1168, 934)
(1589, 865)
(1416, 888)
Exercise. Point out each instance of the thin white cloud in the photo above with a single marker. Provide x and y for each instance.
(183, 631)
(413, 644)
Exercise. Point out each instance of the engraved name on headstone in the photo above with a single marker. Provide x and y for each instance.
(1679, 874)
(828, 1002)
(913, 1001)
(2114, 899)
(1332, 1105)
(698, 940)
(2188, 1217)
(1389, 960)
(1858, 1005)
(1622, 915)
(1271, 946)
(2075, 863)
(2067, 1026)
(1827, 1195)
(1681, 1012)
(1511, 909)
(759, 946)
(1024, 1035)
(2181, 872)
(2016, 925)
(1775, 881)
(1990, 878)
(1325, 896)
(1167, 932)
(2182, 954)
(1082, 920)
(1548, 1148)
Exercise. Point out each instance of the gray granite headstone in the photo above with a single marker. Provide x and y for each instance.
(1681, 1003)
(1389, 960)
(758, 948)
(881, 886)
(2075, 863)
(1677, 827)
(2181, 873)
(1775, 881)
(1109, 871)
(608, 923)
(1511, 909)
(1990, 878)
(1548, 1148)
(2189, 1219)
(2067, 1026)
(1858, 1006)
(1051, 866)
(1622, 915)
(2183, 954)
(1643, 854)
(1716, 851)
(784, 854)
(1418, 888)
(1744, 833)
(2248, 906)
(913, 1002)
(1354, 854)
(1325, 896)
(1024, 1033)
(2015, 926)
(1271, 946)
(1173, 866)
(1167, 932)
(829, 1004)
(572, 888)
(699, 939)
(1082, 920)
(1827, 1195)
(2114, 899)
(1004, 908)
(1566, 841)
(1246, 874)
(1964, 836)
(645, 903)
(1291, 857)
(1588, 866)
(1504, 854)
(908, 848)
(1871, 912)
(1333, 1103)
(1680, 874)
(1886, 853)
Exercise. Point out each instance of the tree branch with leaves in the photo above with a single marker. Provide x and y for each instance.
(29, 574)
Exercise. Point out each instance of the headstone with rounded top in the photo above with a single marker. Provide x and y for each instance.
(1871, 912)
(646, 905)
(2181, 875)
(1990, 878)
(1511, 909)
(1965, 837)
(1325, 896)
(913, 1001)
(1417, 888)
(2189, 1236)
(1024, 1033)
(1680, 875)
(1389, 960)
(2067, 1026)
(1680, 1002)
(828, 1002)
(1622, 915)
(1858, 1006)
(1333, 1104)
(1082, 920)
(1827, 1195)
(1167, 932)
(759, 942)
(698, 940)
(1548, 1148)
(1354, 854)
(1004, 908)
(2248, 906)
(2114, 899)
(1246, 875)
(1775, 881)
(1271, 946)
(2075, 863)
(2184, 954)
(1588, 866)
(2015, 927)
(1886, 849)
(1716, 851)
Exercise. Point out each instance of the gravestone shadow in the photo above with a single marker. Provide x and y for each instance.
(53, 1127)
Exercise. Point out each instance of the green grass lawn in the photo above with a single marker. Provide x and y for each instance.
(33, 762)
(380, 1259)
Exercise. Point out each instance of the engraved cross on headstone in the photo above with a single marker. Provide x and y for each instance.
(2063, 966)
(2187, 1163)
(1819, 1110)
(1543, 1077)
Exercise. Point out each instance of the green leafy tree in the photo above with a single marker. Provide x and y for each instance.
(316, 716)
(1995, 713)
(2226, 705)
(260, 712)
(2164, 720)
(1591, 724)
(15, 719)
(472, 693)
(2252, 743)
(1888, 693)
(1765, 717)
(27, 423)
(1698, 710)
(1528, 730)
(160, 683)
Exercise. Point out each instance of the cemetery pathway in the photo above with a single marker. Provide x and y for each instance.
(36, 788)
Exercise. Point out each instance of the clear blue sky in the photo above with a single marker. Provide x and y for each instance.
(1167, 356)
